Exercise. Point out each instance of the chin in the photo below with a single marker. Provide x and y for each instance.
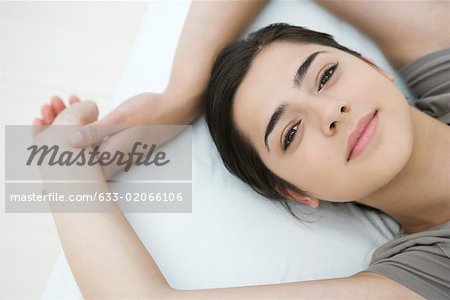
(394, 153)
(390, 154)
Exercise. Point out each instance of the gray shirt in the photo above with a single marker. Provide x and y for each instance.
(421, 261)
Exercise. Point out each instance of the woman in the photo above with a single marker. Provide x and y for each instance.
(400, 134)
(283, 108)
(299, 117)
(414, 144)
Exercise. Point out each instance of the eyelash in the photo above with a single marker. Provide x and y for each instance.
(324, 79)
(327, 75)
(287, 141)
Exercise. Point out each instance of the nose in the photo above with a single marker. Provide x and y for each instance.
(329, 114)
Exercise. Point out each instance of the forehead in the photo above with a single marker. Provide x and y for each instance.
(267, 84)
(273, 62)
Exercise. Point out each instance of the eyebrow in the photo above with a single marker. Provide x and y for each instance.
(276, 116)
(303, 69)
(281, 109)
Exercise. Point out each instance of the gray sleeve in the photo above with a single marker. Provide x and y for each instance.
(421, 262)
(428, 78)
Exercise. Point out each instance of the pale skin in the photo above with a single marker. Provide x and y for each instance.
(180, 103)
(403, 165)
(109, 261)
(135, 274)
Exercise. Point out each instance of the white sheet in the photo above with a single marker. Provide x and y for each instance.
(235, 237)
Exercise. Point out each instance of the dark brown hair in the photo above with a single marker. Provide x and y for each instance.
(229, 69)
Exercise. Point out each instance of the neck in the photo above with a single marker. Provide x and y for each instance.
(419, 196)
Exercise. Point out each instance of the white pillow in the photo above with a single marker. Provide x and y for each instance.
(234, 237)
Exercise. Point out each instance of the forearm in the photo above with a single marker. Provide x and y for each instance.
(363, 285)
(209, 26)
(108, 260)
(404, 30)
(105, 255)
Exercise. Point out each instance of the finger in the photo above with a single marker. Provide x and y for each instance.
(38, 126)
(92, 134)
(38, 122)
(96, 132)
(43, 108)
(127, 139)
(123, 142)
(48, 115)
(57, 104)
(73, 99)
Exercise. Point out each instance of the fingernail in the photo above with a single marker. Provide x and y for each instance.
(75, 138)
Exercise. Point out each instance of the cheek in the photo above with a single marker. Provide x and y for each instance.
(395, 143)
(323, 173)
(313, 169)
(391, 151)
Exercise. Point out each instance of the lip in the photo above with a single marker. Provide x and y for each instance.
(365, 128)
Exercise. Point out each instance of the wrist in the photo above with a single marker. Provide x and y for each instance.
(185, 105)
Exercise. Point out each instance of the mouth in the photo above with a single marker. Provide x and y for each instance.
(362, 135)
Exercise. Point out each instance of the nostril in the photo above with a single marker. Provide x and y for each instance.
(333, 125)
(343, 109)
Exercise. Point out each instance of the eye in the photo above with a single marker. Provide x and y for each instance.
(327, 75)
(290, 135)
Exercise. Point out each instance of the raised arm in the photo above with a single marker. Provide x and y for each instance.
(363, 285)
(404, 30)
(109, 261)
(208, 27)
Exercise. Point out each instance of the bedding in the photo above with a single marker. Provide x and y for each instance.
(233, 236)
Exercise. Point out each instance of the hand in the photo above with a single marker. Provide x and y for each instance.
(52, 134)
(142, 109)
(85, 113)
(49, 113)
(56, 113)
(79, 113)
(55, 167)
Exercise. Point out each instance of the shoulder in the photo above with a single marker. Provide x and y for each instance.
(418, 261)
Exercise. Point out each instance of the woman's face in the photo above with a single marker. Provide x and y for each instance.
(321, 111)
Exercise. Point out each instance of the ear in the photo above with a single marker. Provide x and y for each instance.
(373, 64)
(294, 196)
